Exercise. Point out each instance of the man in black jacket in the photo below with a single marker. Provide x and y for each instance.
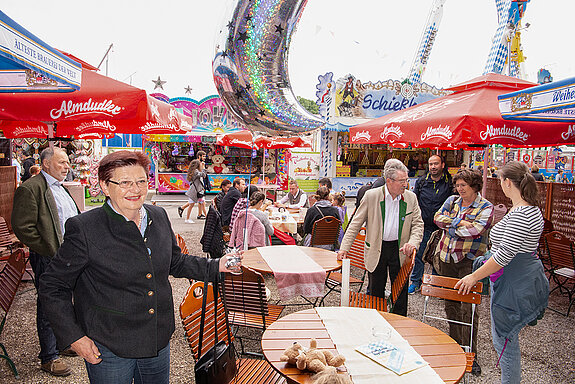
(230, 199)
(431, 190)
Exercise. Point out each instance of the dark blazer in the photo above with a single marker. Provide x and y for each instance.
(119, 282)
(35, 219)
(228, 203)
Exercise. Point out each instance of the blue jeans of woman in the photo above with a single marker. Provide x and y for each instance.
(510, 363)
(119, 370)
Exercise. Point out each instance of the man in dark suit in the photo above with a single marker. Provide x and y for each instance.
(231, 198)
(41, 207)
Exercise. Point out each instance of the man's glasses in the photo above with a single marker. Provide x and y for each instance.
(401, 181)
(127, 184)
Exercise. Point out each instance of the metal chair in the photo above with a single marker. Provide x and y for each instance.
(250, 371)
(561, 253)
(443, 287)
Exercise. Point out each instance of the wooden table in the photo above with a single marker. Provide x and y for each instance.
(442, 353)
(326, 259)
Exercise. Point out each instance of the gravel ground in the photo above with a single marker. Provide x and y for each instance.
(546, 350)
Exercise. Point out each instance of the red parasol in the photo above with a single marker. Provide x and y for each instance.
(101, 106)
(244, 139)
(467, 117)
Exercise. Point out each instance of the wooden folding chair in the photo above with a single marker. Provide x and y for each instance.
(325, 231)
(363, 300)
(246, 301)
(249, 370)
(10, 278)
(355, 255)
(8, 241)
(542, 248)
(562, 265)
(443, 287)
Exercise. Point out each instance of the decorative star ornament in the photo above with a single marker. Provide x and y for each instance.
(188, 90)
(279, 29)
(159, 83)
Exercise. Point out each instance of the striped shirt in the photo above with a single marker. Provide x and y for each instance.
(458, 241)
(518, 232)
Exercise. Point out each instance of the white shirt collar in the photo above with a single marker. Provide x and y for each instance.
(50, 179)
(388, 195)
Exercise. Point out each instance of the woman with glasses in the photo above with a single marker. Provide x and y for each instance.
(106, 292)
(465, 219)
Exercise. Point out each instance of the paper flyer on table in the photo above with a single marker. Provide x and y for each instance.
(391, 357)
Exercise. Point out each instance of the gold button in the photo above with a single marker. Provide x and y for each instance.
(151, 311)
(150, 293)
(149, 276)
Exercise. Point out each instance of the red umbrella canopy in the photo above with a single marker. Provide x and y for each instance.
(469, 116)
(102, 105)
(243, 139)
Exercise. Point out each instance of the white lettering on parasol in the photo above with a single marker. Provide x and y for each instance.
(91, 136)
(38, 129)
(359, 136)
(393, 131)
(570, 133)
(150, 127)
(238, 141)
(439, 132)
(102, 125)
(69, 109)
(514, 133)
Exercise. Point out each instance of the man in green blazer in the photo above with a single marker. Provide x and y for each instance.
(41, 207)
(394, 230)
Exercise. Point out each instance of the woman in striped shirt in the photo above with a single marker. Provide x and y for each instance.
(520, 289)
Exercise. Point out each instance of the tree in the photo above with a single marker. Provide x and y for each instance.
(309, 105)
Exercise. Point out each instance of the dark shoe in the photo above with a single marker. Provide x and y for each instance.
(68, 352)
(56, 367)
(475, 368)
(201, 217)
(180, 211)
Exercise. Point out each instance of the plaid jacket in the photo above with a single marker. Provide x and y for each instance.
(456, 241)
(240, 205)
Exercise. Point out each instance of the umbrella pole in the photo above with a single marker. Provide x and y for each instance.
(51, 135)
(485, 162)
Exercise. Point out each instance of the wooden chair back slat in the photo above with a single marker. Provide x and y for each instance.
(402, 277)
(246, 292)
(559, 250)
(356, 253)
(10, 278)
(325, 231)
(190, 313)
(443, 287)
(363, 300)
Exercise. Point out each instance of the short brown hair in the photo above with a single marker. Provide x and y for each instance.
(472, 177)
(322, 193)
(121, 159)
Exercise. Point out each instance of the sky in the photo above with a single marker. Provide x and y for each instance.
(370, 39)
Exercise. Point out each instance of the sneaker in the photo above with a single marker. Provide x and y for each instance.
(475, 368)
(413, 288)
(56, 367)
(180, 211)
(201, 217)
(189, 221)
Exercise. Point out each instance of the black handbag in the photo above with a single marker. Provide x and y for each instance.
(207, 184)
(429, 253)
(218, 364)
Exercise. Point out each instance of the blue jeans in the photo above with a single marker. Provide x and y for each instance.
(48, 349)
(119, 370)
(510, 362)
(417, 273)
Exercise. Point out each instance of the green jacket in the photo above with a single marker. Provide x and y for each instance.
(35, 218)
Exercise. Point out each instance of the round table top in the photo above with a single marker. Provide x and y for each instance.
(326, 259)
(442, 353)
